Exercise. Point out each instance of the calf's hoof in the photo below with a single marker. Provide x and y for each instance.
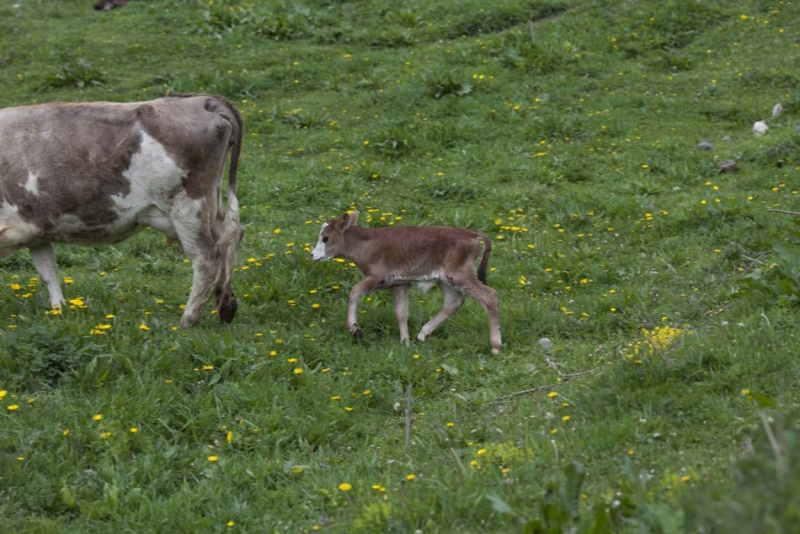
(357, 333)
(497, 350)
(227, 310)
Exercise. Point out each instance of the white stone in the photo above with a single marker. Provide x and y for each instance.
(760, 128)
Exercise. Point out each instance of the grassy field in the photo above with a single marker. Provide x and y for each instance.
(565, 129)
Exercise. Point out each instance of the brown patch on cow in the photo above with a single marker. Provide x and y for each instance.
(195, 144)
(57, 142)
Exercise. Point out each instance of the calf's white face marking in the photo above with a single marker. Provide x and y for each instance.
(320, 253)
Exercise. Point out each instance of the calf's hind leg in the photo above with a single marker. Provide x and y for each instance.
(453, 299)
(488, 299)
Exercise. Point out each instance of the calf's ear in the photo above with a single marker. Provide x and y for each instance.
(352, 219)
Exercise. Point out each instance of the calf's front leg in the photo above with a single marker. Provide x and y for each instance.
(401, 311)
(368, 285)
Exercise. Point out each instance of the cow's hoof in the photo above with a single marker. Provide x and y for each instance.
(227, 311)
(358, 333)
(188, 322)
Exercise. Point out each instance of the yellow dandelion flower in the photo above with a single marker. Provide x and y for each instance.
(344, 486)
(213, 458)
(565, 418)
(97, 417)
(298, 371)
(410, 477)
(143, 327)
(552, 394)
(13, 407)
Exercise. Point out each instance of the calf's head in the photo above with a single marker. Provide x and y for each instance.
(331, 237)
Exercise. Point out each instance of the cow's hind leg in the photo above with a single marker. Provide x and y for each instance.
(453, 299)
(225, 251)
(202, 281)
(226, 300)
(196, 240)
(44, 258)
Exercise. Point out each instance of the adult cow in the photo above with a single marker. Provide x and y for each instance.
(93, 173)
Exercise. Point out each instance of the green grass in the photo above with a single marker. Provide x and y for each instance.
(567, 130)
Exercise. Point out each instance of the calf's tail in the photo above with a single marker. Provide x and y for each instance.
(487, 250)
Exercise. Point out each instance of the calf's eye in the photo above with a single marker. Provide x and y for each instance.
(324, 239)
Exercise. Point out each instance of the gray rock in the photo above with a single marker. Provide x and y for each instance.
(545, 343)
(705, 145)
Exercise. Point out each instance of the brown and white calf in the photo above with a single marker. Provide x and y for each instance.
(93, 173)
(395, 256)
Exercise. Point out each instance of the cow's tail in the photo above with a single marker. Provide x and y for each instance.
(487, 249)
(236, 148)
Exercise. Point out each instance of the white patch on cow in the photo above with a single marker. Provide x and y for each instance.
(154, 177)
(14, 230)
(320, 253)
(32, 185)
(157, 220)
